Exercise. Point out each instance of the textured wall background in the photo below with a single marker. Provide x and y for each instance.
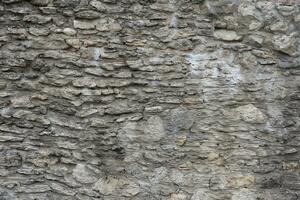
(149, 99)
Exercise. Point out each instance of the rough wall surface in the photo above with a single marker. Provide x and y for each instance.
(149, 99)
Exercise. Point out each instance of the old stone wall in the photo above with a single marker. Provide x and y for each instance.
(149, 100)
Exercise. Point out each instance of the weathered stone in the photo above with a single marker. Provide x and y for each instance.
(202, 194)
(7, 138)
(98, 5)
(107, 185)
(21, 102)
(69, 31)
(241, 181)
(285, 43)
(251, 16)
(157, 99)
(212, 156)
(154, 128)
(227, 35)
(38, 188)
(179, 119)
(84, 175)
(75, 43)
(244, 194)
(108, 25)
(39, 32)
(49, 45)
(87, 14)
(178, 196)
(251, 114)
(40, 2)
(37, 19)
(83, 24)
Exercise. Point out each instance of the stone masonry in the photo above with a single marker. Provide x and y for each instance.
(149, 100)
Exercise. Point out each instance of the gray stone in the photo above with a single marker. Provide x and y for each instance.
(87, 14)
(40, 2)
(83, 174)
(244, 194)
(227, 35)
(250, 113)
(69, 31)
(179, 119)
(83, 24)
(37, 19)
(285, 43)
(107, 185)
(202, 194)
(154, 129)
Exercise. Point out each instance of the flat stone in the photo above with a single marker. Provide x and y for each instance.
(21, 102)
(84, 82)
(162, 7)
(39, 188)
(69, 31)
(227, 35)
(119, 107)
(7, 138)
(153, 109)
(39, 31)
(40, 2)
(108, 25)
(37, 19)
(87, 14)
(83, 24)
(55, 44)
(94, 71)
(10, 1)
(62, 189)
(100, 123)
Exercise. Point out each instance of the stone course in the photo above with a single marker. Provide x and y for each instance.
(149, 100)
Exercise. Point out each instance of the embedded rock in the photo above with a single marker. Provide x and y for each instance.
(227, 35)
(249, 113)
(82, 174)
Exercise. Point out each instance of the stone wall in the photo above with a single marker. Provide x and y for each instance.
(149, 100)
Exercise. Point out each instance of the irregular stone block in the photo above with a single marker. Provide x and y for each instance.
(251, 114)
(227, 35)
(37, 19)
(82, 174)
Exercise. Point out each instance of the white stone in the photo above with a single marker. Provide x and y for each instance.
(84, 175)
(69, 31)
(227, 35)
(249, 113)
(83, 24)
